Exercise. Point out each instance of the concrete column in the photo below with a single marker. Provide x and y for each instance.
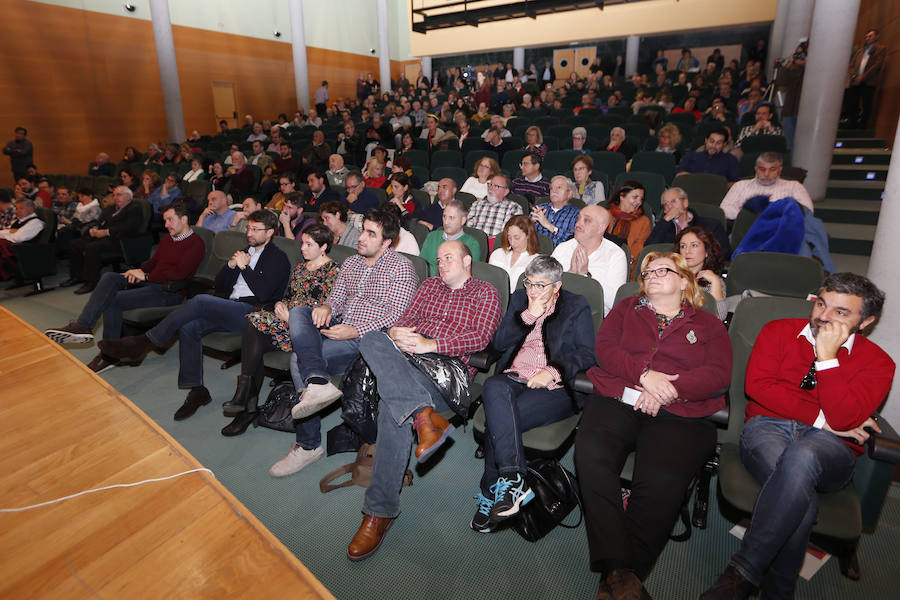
(298, 48)
(168, 70)
(883, 272)
(426, 68)
(797, 25)
(776, 37)
(632, 43)
(830, 43)
(384, 47)
(519, 59)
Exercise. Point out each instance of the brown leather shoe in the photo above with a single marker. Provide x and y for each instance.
(368, 537)
(126, 348)
(432, 430)
(625, 585)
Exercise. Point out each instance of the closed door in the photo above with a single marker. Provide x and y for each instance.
(223, 103)
(583, 59)
(563, 63)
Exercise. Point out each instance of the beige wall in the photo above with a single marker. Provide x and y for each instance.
(651, 17)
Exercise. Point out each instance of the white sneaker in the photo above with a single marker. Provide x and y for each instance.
(314, 398)
(295, 460)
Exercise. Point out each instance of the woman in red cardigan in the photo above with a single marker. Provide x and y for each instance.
(663, 364)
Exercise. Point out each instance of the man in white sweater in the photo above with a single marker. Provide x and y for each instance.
(768, 182)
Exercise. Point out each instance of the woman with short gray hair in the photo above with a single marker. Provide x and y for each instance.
(544, 340)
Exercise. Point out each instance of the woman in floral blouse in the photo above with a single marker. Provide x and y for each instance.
(310, 284)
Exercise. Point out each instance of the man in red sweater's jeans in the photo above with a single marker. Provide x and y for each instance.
(812, 387)
(177, 257)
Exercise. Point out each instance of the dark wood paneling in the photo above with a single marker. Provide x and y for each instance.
(884, 15)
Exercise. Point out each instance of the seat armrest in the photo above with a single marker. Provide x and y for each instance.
(583, 384)
(175, 285)
(884, 446)
(483, 360)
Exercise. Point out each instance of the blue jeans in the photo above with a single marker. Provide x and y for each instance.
(792, 461)
(192, 320)
(404, 390)
(509, 409)
(789, 126)
(315, 356)
(111, 299)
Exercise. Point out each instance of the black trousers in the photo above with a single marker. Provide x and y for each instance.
(669, 451)
(858, 101)
(86, 256)
(254, 345)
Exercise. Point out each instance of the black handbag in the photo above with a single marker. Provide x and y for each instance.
(555, 495)
(276, 412)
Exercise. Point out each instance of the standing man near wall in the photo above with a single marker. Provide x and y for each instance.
(20, 152)
(321, 98)
(864, 75)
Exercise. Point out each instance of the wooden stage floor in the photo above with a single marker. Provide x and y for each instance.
(65, 430)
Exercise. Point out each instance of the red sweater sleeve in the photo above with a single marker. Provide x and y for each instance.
(174, 261)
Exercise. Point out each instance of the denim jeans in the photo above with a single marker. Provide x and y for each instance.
(192, 320)
(792, 461)
(404, 390)
(111, 299)
(510, 408)
(315, 356)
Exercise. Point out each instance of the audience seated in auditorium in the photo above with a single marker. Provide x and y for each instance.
(589, 254)
(556, 218)
(405, 241)
(252, 277)
(285, 163)
(333, 215)
(7, 210)
(197, 171)
(663, 365)
(453, 220)
(677, 216)
(164, 195)
(768, 182)
(763, 125)
(579, 139)
(669, 137)
(257, 134)
(711, 159)
(357, 198)
(803, 438)
(149, 183)
(310, 284)
(373, 173)
(287, 183)
(124, 218)
(260, 158)
(534, 142)
(249, 205)
(399, 194)
(618, 143)
(349, 142)
(101, 166)
(337, 172)
(477, 184)
(291, 221)
(628, 223)
(491, 213)
(176, 258)
(518, 245)
(216, 216)
(315, 156)
(704, 257)
(432, 215)
(372, 290)
(26, 227)
(586, 189)
(531, 184)
(431, 132)
(239, 174)
(411, 398)
(545, 339)
(318, 191)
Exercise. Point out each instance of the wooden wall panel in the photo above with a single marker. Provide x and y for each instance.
(884, 16)
(84, 82)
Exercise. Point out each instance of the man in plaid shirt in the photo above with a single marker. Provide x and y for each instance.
(373, 289)
(491, 214)
(452, 315)
(556, 219)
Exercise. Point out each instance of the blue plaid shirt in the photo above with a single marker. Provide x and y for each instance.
(563, 218)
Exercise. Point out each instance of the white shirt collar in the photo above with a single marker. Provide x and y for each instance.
(807, 333)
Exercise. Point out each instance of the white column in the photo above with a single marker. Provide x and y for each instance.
(298, 48)
(797, 25)
(776, 37)
(830, 43)
(883, 272)
(519, 59)
(426, 67)
(632, 43)
(168, 69)
(384, 47)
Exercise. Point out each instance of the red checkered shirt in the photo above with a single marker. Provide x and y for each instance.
(461, 321)
(531, 358)
(372, 298)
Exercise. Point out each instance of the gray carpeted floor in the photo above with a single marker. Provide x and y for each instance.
(430, 551)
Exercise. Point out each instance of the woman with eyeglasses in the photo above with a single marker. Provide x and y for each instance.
(663, 364)
(477, 184)
(703, 255)
(544, 341)
(310, 283)
(586, 189)
(534, 141)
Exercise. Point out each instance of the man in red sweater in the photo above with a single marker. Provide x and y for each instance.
(812, 387)
(177, 257)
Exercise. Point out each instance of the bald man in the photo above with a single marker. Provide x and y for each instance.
(101, 166)
(216, 216)
(431, 216)
(589, 254)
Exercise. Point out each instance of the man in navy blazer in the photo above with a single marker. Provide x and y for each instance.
(254, 279)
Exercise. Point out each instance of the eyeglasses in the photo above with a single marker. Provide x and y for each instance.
(525, 164)
(534, 285)
(258, 229)
(494, 186)
(657, 273)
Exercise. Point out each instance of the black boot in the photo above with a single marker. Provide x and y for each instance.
(247, 391)
(247, 416)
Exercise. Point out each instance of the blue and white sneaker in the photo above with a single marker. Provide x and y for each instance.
(509, 497)
(481, 522)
